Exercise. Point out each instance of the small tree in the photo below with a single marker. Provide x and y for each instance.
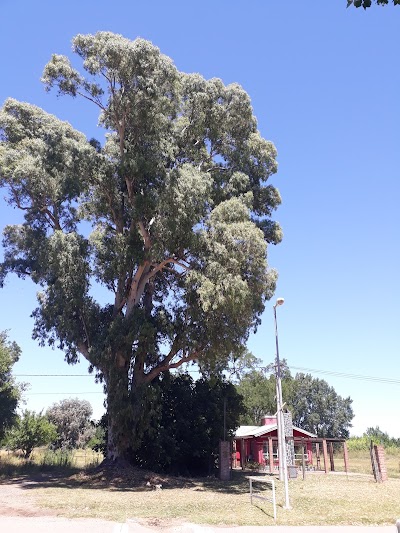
(30, 431)
(10, 391)
(71, 417)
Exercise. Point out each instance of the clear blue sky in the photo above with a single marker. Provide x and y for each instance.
(324, 82)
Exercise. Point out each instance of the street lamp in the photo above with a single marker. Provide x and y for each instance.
(283, 471)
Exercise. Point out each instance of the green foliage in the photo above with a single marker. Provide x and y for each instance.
(241, 363)
(98, 440)
(186, 425)
(56, 458)
(358, 443)
(257, 385)
(178, 208)
(259, 396)
(315, 405)
(377, 436)
(368, 3)
(319, 409)
(381, 437)
(184, 434)
(10, 391)
(31, 430)
(71, 417)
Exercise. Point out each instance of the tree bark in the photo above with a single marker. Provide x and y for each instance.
(117, 408)
(128, 408)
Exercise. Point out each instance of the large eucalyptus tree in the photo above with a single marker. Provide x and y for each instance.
(171, 214)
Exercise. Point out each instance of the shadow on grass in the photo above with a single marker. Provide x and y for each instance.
(33, 476)
(269, 515)
(29, 474)
(238, 484)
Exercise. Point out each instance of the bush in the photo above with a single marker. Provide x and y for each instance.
(30, 431)
(57, 458)
(185, 431)
(72, 420)
(358, 444)
(377, 436)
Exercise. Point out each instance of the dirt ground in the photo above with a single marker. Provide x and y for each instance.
(15, 500)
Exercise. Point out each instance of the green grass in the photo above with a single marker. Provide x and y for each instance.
(320, 499)
(333, 499)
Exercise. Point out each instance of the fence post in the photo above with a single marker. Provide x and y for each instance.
(331, 459)
(318, 456)
(346, 457)
(374, 463)
(325, 452)
(380, 459)
(303, 452)
(270, 455)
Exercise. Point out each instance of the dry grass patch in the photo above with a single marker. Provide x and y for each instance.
(320, 499)
(360, 462)
(123, 493)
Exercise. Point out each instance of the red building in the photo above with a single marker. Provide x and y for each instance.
(259, 444)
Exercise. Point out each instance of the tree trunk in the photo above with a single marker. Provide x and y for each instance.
(129, 413)
(118, 410)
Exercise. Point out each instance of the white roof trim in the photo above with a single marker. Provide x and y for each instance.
(306, 432)
(245, 432)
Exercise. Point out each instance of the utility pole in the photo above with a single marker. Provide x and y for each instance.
(283, 471)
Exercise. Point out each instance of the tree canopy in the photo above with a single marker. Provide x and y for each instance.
(368, 3)
(319, 409)
(72, 419)
(179, 214)
(314, 404)
(10, 391)
(31, 430)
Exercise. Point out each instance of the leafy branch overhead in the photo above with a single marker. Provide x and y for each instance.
(368, 3)
(170, 214)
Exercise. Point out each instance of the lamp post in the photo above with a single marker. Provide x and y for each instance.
(283, 471)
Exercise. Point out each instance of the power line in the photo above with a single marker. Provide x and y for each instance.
(52, 393)
(346, 375)
(349, 376)
(53, 375)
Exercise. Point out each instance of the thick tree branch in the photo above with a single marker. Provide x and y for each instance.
(86, 330)
(142, 276)
(54, 221)
(164, 265)
(52, 218)
(96, 102)
(145, 235)
(137, 287)
(84, 350)
(167, 365)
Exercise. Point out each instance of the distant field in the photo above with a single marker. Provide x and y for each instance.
(42, 459)
(360, 462)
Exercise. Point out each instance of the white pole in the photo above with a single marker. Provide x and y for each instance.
(283, 471)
